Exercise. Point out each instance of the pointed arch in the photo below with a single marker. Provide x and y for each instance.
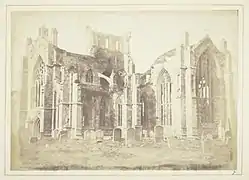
(89, 76)
(163, 76)
(144, 111)
(206, 46)
(148, 98)
(164, 97)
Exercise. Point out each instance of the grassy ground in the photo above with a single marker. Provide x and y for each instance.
(79, 154)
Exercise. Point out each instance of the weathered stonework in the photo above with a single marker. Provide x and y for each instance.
(67, 88)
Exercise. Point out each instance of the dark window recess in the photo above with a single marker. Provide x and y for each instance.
(133, 68)
(89, 76)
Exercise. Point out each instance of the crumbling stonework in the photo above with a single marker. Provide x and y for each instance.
(68, 88)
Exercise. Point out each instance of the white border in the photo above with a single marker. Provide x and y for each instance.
(124, 8)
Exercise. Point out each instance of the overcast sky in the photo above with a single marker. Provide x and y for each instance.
(153, 33)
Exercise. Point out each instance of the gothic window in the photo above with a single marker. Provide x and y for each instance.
(102, 111)
(165, 92)
(119, 114)
(204, 80)
(203, 89)
(89, 76)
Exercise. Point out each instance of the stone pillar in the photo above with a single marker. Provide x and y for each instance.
(97, 111)
(183, 92)
(188, 93)
(134, 101)
(124, 113)
(42, 110)
(176, 108)
(76, 108)
(194, 102)
(53, 119)
(59, 114)
(194, 114)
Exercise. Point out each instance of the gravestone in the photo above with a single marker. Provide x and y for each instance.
(92, 135)
(144, 134)
(158, 134)
(33, 140)
(138, 133)
(87, 135)
(117, 134)
(130, 136)
(99, 135)
(151, 134)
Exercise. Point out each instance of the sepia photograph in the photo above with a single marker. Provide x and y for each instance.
(124, 89)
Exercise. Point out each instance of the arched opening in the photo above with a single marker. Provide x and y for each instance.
(148, 108)
(206, 89)
(164, 98)
(144, 112)
(117, 134)
(103, 109)
(87, 110)
(89, 76)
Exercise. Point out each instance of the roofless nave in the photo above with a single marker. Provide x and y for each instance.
(185, 92)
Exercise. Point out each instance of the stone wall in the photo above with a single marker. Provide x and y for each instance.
(47, 122)
(48, 90)
(48, 102)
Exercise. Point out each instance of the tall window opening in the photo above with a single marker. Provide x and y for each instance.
(119, 114)
(89, 76)
(164, 99)
(102, 111)
(204, 79)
